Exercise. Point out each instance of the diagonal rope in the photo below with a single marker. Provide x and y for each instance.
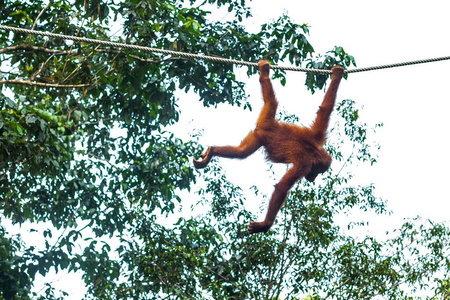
(211, 58)
(155, 50)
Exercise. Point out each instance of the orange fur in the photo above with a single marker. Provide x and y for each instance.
(284, 143)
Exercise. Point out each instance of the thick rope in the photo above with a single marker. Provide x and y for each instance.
(407, 63)
(211, 58)
(156, 50)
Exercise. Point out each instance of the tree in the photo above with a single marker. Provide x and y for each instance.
(85, 152)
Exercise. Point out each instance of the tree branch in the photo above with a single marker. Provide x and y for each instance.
(40, 14)
(70, 52)
(34, 48)
(42, 84)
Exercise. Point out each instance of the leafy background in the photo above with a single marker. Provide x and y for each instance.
(96, 176)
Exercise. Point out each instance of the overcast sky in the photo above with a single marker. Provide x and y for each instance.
(411, 101)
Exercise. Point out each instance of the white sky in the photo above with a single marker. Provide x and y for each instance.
(412, 101)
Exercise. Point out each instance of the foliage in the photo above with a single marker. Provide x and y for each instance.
(13, 281)
(87, 158)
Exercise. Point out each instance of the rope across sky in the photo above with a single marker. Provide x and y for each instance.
(211, 58)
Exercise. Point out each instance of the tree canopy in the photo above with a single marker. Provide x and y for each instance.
(88, 159)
